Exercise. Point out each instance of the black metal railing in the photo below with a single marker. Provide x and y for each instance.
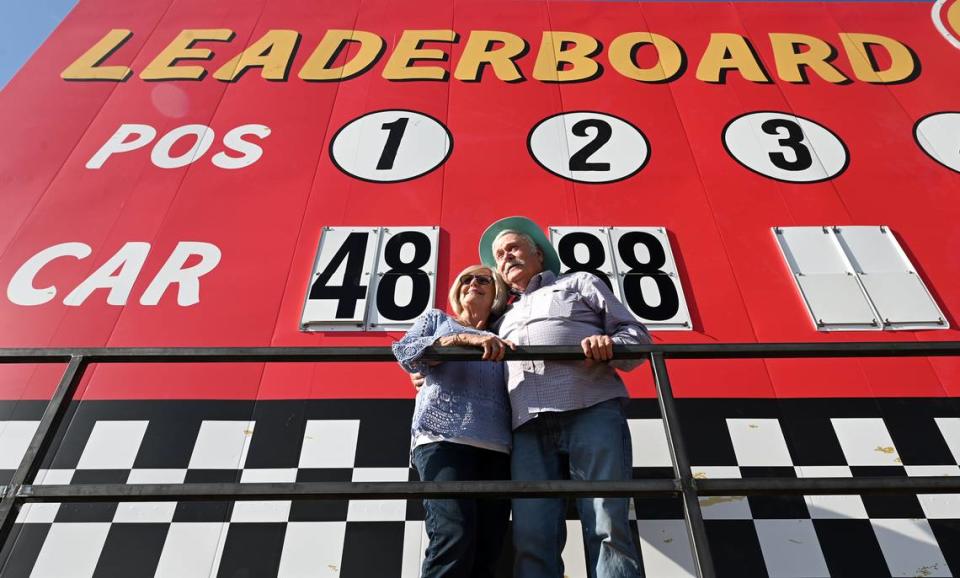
(683, 485)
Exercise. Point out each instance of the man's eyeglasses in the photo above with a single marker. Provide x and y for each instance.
(481, 279)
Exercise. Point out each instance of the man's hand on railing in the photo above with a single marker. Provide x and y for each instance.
(597, 349)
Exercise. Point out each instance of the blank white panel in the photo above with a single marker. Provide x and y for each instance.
(811, 250)
(112, 445)
(832, 507)
(950, 429)
(191, 550)
(872, 250)
(70, 550)
(909, 547)
(378, 510)
(573, 555)
(837, 300)
(665, 549)
(866, 442)
(312, 549)
(15, 437)
(902, 298)
(759, 442)
(221, 445)
(329, 443)
(649, 443)
(937, 506)
(791, 549)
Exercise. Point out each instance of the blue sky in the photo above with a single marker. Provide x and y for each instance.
(24, 25)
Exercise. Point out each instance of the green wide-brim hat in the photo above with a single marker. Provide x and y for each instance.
(551, 261)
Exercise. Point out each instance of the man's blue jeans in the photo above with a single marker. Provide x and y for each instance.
(586, 444)
(467, 535)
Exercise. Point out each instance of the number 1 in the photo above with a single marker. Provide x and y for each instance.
(389, 154)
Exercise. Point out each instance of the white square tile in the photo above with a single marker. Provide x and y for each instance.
(329, 443)
(937, 506)
(715, 472)
(791, 549)
(312, 549)
(71, 550)
(149, 512)
(378, 510)
(722, 507)
(264, 511)
(950, 428)
(866, 442)
(192, 550)
(832, 507)
(112, 445)
(54, 477)
(759, 442)
(221, 445)
(15, 438)
(38, 513)
(415, 542)
(665, 549)
(909, 547)
(268, 475)
(573, 555)
(649, 442)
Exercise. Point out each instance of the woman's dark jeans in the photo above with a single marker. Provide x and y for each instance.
(466, 536)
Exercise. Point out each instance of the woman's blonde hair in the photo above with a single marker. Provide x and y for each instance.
(500, 290)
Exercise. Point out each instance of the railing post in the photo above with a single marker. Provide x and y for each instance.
(696, 530)
(36, 451)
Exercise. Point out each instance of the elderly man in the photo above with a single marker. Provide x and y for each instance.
(568, 416)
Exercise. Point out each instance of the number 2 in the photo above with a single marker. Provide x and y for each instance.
(578, 161)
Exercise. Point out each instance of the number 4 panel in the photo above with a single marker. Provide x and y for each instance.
(337, 296)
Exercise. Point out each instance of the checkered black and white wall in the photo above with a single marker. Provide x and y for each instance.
(367, 440)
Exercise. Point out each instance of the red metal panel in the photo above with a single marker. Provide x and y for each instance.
(267, 218)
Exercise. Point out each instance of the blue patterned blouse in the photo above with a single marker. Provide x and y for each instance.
(461, 401)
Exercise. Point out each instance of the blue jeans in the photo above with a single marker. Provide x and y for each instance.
(466, 536)
(585, 444)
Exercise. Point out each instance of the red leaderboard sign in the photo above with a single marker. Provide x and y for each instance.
(287, 172)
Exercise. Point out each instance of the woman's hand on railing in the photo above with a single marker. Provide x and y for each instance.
(493, 347)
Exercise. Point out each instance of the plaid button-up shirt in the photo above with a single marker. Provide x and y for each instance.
(563, 311)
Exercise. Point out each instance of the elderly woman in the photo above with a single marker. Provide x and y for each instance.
(461, 425)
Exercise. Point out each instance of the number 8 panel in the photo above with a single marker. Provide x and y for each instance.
(635, 262)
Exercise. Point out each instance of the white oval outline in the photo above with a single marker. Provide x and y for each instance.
(941, 27)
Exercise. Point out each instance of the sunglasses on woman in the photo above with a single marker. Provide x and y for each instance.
(481, 279)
